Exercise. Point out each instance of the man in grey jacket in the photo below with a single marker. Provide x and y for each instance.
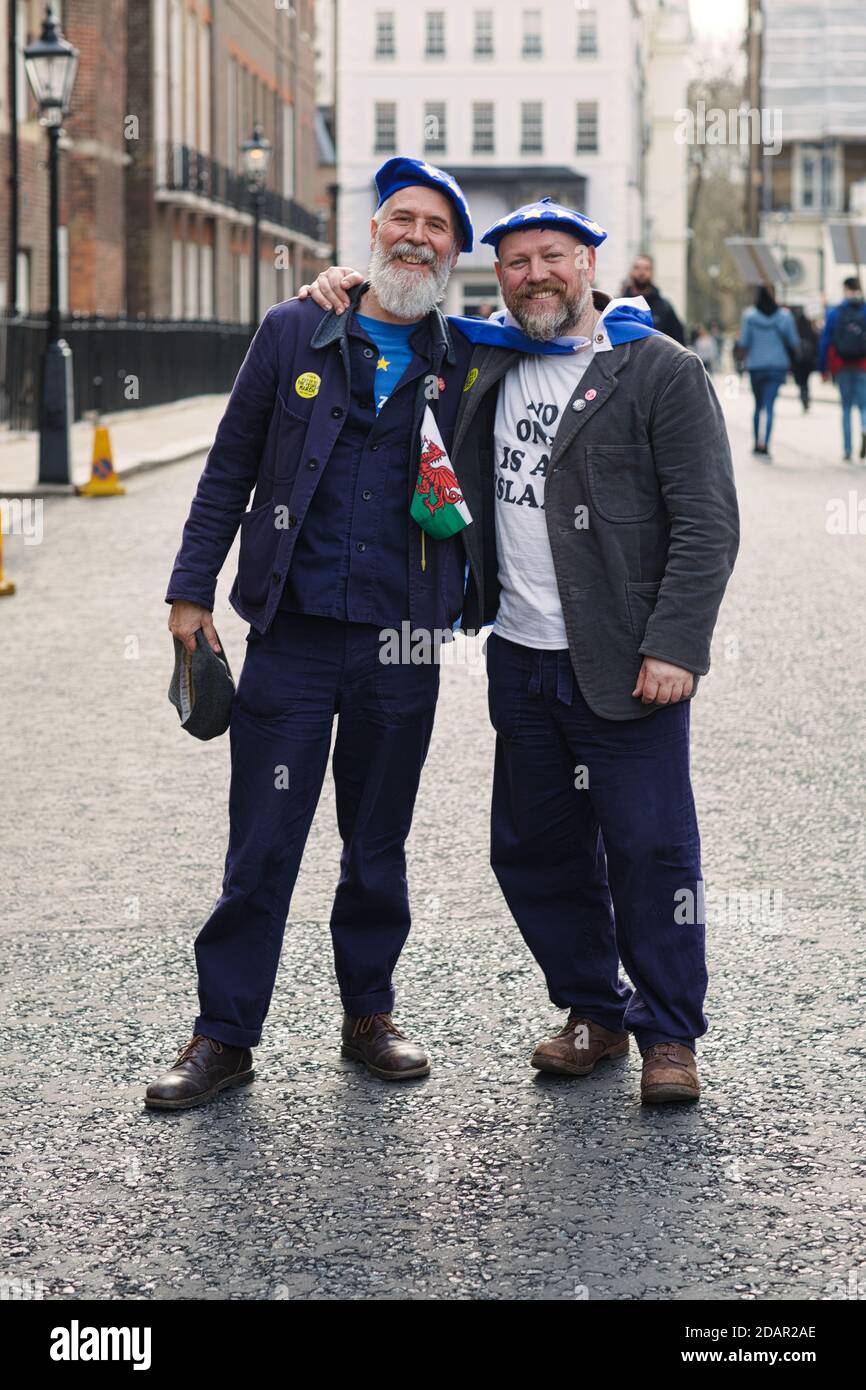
(599, 475)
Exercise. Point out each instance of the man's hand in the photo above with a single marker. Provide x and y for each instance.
(329, 289)
(184, 621)
(661, 683)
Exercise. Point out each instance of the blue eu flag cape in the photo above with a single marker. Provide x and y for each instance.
(623, 324)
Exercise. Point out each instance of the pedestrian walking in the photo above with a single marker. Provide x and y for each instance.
(806, 360)
(706, 348)
(842, 355)
(768, 340)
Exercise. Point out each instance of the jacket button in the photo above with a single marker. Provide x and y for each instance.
(293, 520)
(275, 578)
(361, 545)
(366, 494)
(312, 463)
(336, 411)
(374, 448)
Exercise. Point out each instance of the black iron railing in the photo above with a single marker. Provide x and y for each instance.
(119, 364)
(182, 169)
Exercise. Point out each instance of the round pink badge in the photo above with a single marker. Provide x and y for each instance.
(591, 395)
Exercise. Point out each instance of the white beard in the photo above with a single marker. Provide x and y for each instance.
(405, 293)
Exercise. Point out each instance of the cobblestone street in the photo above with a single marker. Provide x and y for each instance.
(485, 1180)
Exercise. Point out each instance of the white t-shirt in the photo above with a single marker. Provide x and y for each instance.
(532, 399)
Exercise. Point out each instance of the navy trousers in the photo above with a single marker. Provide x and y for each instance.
(296, 677)
(594, 842)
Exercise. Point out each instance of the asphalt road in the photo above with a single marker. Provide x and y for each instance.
(484, 1180)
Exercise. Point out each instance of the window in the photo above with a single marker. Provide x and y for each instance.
(288, 150)
(532, 46)
(23, 86)
(176, 279)
(160, 94)
(24, 282)
(190, 66)
(816, 183)
(204, 87)
(435, 34)
(385, 34)
(386, 127)
(531, 129)
(483, 33)
(587, 34)
(191, 280)
(63, 269)
(434, 127)
(232, 114)
(206, 284)
(478, 295)
(587, 127)
(482, 127)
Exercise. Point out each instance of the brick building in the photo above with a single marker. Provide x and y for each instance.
(155, 213)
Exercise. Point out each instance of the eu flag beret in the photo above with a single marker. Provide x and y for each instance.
(546, 213)
(400, 173)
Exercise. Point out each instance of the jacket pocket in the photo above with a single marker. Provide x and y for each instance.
(641, 599)
(291, 437)
(258, 548)
(623, 485)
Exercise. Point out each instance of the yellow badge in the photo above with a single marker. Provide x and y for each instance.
(471, 377)
(308, 384)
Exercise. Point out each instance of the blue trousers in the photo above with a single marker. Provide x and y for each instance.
(765, 388)
(296, 678)
(852, 389)
(594, 842)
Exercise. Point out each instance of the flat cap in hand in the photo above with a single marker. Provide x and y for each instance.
(202, 688)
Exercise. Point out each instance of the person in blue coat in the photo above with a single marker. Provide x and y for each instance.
(842, 355)
(325, 426)
(769, 340)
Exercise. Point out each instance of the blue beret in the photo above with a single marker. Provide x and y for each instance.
(400, 173)
(546, 213)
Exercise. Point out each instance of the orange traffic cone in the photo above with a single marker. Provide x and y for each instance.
(104, 482)
(7, 588)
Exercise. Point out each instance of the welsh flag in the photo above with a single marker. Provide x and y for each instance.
(437, 503)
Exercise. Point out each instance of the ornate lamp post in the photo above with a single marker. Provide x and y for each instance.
(52, 66)
(256, 158)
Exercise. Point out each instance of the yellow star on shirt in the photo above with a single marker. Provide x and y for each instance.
(382, 365)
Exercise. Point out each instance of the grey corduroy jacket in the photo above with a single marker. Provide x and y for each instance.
(640, 506)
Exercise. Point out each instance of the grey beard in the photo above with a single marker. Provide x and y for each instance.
(401, 292)
(551, 323)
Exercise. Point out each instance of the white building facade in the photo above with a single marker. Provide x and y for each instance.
(814, 61)
(516, 101)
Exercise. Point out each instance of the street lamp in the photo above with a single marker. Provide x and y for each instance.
(52, 65)
(256, 158)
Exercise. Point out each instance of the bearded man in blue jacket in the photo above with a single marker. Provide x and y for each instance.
(324, 422)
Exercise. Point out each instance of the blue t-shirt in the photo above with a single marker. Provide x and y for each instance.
(395, 354)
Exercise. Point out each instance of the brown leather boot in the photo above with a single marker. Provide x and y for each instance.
(203, 1068)
(670, 1072)
(377, 1042)
(577, 1047)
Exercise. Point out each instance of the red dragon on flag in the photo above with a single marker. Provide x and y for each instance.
(436, 479)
